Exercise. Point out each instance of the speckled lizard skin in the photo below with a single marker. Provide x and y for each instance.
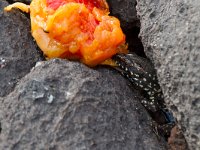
(141, 73)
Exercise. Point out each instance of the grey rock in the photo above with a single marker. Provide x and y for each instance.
(18, 51)
(66, 105)
(171, 37)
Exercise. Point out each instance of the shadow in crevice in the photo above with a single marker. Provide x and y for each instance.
(23, 1)
(134, 43)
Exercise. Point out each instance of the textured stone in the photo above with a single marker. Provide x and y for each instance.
(170, 34)
(62, 104)
(18, 53)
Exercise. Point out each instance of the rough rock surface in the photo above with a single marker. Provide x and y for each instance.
(177, 140)
(62, 104)
(171, 38)
(18, 51)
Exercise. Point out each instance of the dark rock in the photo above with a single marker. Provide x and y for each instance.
(62, 104)
(126, 12)
(170, 35)
(23, 1)
(18, 53)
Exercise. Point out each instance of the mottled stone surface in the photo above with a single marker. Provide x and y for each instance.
(62, 104)
(171, 37)
(18, 51)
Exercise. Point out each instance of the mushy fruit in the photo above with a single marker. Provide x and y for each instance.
(75, 29)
